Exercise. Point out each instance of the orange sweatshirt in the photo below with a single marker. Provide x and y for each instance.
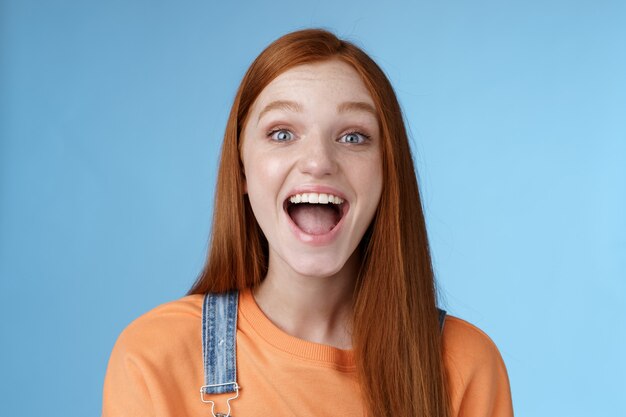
(156, 369)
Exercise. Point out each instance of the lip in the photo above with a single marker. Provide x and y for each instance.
(326, 238)
(316, 189)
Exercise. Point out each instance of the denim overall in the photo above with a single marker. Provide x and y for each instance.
(219, 336)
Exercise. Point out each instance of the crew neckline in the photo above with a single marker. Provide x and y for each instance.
(342, 359)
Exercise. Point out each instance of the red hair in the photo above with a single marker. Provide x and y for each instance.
(396, 334)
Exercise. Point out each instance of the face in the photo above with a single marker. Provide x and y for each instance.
(312, 166)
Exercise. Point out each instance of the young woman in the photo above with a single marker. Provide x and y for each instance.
(319, 260)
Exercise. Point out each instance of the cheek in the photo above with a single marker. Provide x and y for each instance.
(374, 187)
(370, 177)
(263, 177)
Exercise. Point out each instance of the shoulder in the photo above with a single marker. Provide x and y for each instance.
(461, 339)
(476, 372)
(157, 351)
(467, 348)
(162, 328)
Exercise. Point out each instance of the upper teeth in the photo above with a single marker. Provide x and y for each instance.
(315, 198)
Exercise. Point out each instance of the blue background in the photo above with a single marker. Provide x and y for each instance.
(112, 113)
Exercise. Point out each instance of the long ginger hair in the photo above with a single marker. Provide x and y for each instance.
(396, 334)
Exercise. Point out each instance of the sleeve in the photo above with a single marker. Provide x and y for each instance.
(126, 391)
(479, 382)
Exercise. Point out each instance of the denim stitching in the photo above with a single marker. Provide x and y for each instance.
(219, 323)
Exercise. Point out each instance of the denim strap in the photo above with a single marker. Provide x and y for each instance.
(442, 318)
(219, 336)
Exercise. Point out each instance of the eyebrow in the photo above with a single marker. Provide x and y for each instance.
(292, 106)
(280, 105)
(357, 106)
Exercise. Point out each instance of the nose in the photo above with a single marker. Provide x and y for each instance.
(318, 157)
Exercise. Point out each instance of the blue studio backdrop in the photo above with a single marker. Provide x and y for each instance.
(111, 117)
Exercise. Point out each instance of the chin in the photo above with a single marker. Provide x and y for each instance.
(318, 268)
(315, 271)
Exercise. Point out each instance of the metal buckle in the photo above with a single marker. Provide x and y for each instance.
(235, 387)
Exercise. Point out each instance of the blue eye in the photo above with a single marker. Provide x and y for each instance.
(354, 137)
(281, 135)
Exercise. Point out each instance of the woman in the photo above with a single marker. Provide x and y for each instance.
(318, 225)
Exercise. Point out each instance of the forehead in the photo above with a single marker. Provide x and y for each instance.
(333, 81)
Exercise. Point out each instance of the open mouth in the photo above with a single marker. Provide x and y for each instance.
(315, 213)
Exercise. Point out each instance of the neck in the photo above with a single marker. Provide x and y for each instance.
(316, 309)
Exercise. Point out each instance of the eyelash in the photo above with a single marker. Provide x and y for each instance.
(271, 133)
(365, 136)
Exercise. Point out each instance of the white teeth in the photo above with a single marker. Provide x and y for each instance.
(315, 198)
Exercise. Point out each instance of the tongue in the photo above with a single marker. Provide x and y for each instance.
(314, 219)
